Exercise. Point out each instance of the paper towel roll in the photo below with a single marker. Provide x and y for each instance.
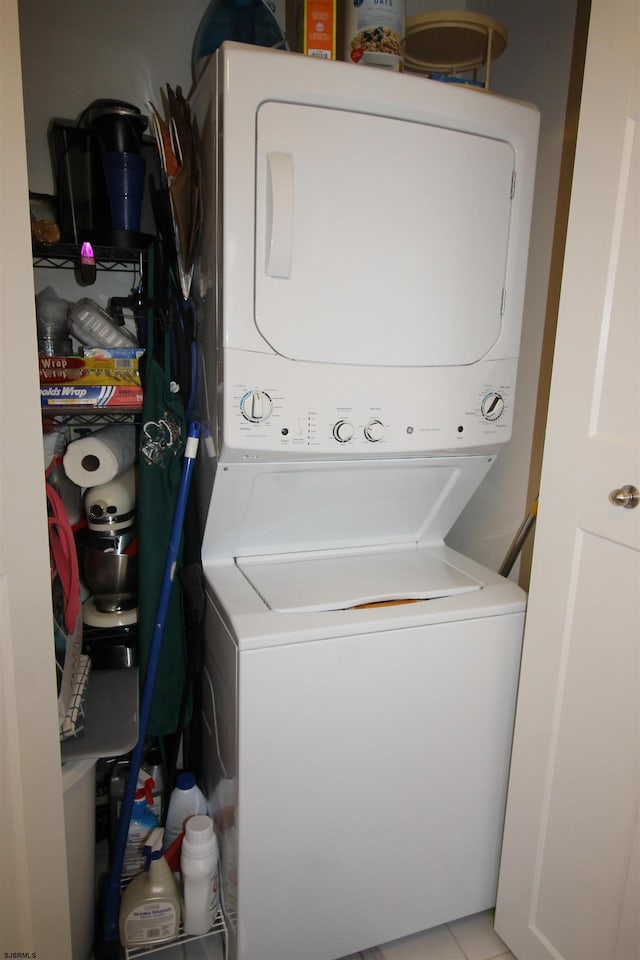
(101, 456)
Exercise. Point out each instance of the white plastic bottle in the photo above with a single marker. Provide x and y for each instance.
(199, 869)
(150, 907)
(186, 800)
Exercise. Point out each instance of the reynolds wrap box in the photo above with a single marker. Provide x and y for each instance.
(92, 396)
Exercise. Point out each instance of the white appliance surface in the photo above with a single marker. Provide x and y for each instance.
(255, 625)
(308, 196)
(371, 785)
(361, 278)
(265, 508)
(342, 581)
(363, 260)
(366, 754)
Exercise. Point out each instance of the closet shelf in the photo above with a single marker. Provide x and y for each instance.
(66, 255)
(111, 716)
(89, 416)
(218, 929)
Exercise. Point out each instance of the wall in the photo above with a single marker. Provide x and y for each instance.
(535, 67)
(74, 52)
(557, 263)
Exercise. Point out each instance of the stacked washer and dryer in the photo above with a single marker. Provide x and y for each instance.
(361, 279)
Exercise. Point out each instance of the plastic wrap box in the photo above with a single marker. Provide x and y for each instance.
(92, 396)
(97, 366)
(101, 378)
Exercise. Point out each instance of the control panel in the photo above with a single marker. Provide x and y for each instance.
(443, 410)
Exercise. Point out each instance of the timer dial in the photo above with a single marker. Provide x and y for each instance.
(343, 431)
(492, 406)
(256, 406)
(374, 431)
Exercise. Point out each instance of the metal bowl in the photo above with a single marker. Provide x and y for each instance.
(110, 573)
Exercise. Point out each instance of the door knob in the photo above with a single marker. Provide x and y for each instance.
(627, 496)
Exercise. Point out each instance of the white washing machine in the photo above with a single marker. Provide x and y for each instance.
(361, 284)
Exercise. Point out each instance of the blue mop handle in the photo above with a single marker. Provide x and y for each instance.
(190, 453)
(112, 904)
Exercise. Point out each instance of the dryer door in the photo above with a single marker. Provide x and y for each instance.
(426, 285)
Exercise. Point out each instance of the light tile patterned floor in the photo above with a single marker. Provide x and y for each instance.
(472, 938)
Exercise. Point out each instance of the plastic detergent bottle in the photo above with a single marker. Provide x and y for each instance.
(186, 800)
(143, 821)
(199, 869)
(150, 906)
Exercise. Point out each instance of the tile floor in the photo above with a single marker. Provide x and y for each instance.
(472, 938)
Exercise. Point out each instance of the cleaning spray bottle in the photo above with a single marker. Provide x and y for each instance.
(143, 821)
(150, 906)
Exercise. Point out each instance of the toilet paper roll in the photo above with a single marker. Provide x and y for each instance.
(101, 456)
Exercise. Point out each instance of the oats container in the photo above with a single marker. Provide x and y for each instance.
(374, 33)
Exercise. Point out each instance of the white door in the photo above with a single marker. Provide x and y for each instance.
(569, 875)
(34, 911)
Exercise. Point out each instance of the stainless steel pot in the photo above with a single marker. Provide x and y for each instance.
(105, 572)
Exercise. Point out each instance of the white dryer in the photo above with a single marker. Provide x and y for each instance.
(361, 277)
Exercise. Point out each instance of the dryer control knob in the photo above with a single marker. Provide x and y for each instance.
(343, 431)
(492, 406)
(374, 430)
(256, 406)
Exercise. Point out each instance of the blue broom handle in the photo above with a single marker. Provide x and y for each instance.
(112, 907)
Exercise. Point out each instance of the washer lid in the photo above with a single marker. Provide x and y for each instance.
(343, 580)
(260, 509)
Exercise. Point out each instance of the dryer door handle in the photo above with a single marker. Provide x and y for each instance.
(279, 243)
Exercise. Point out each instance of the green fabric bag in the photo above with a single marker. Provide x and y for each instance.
(162, 444)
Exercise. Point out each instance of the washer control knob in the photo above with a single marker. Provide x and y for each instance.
(492, 406)
(343, 431)
(256, 406)
(374, 431)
